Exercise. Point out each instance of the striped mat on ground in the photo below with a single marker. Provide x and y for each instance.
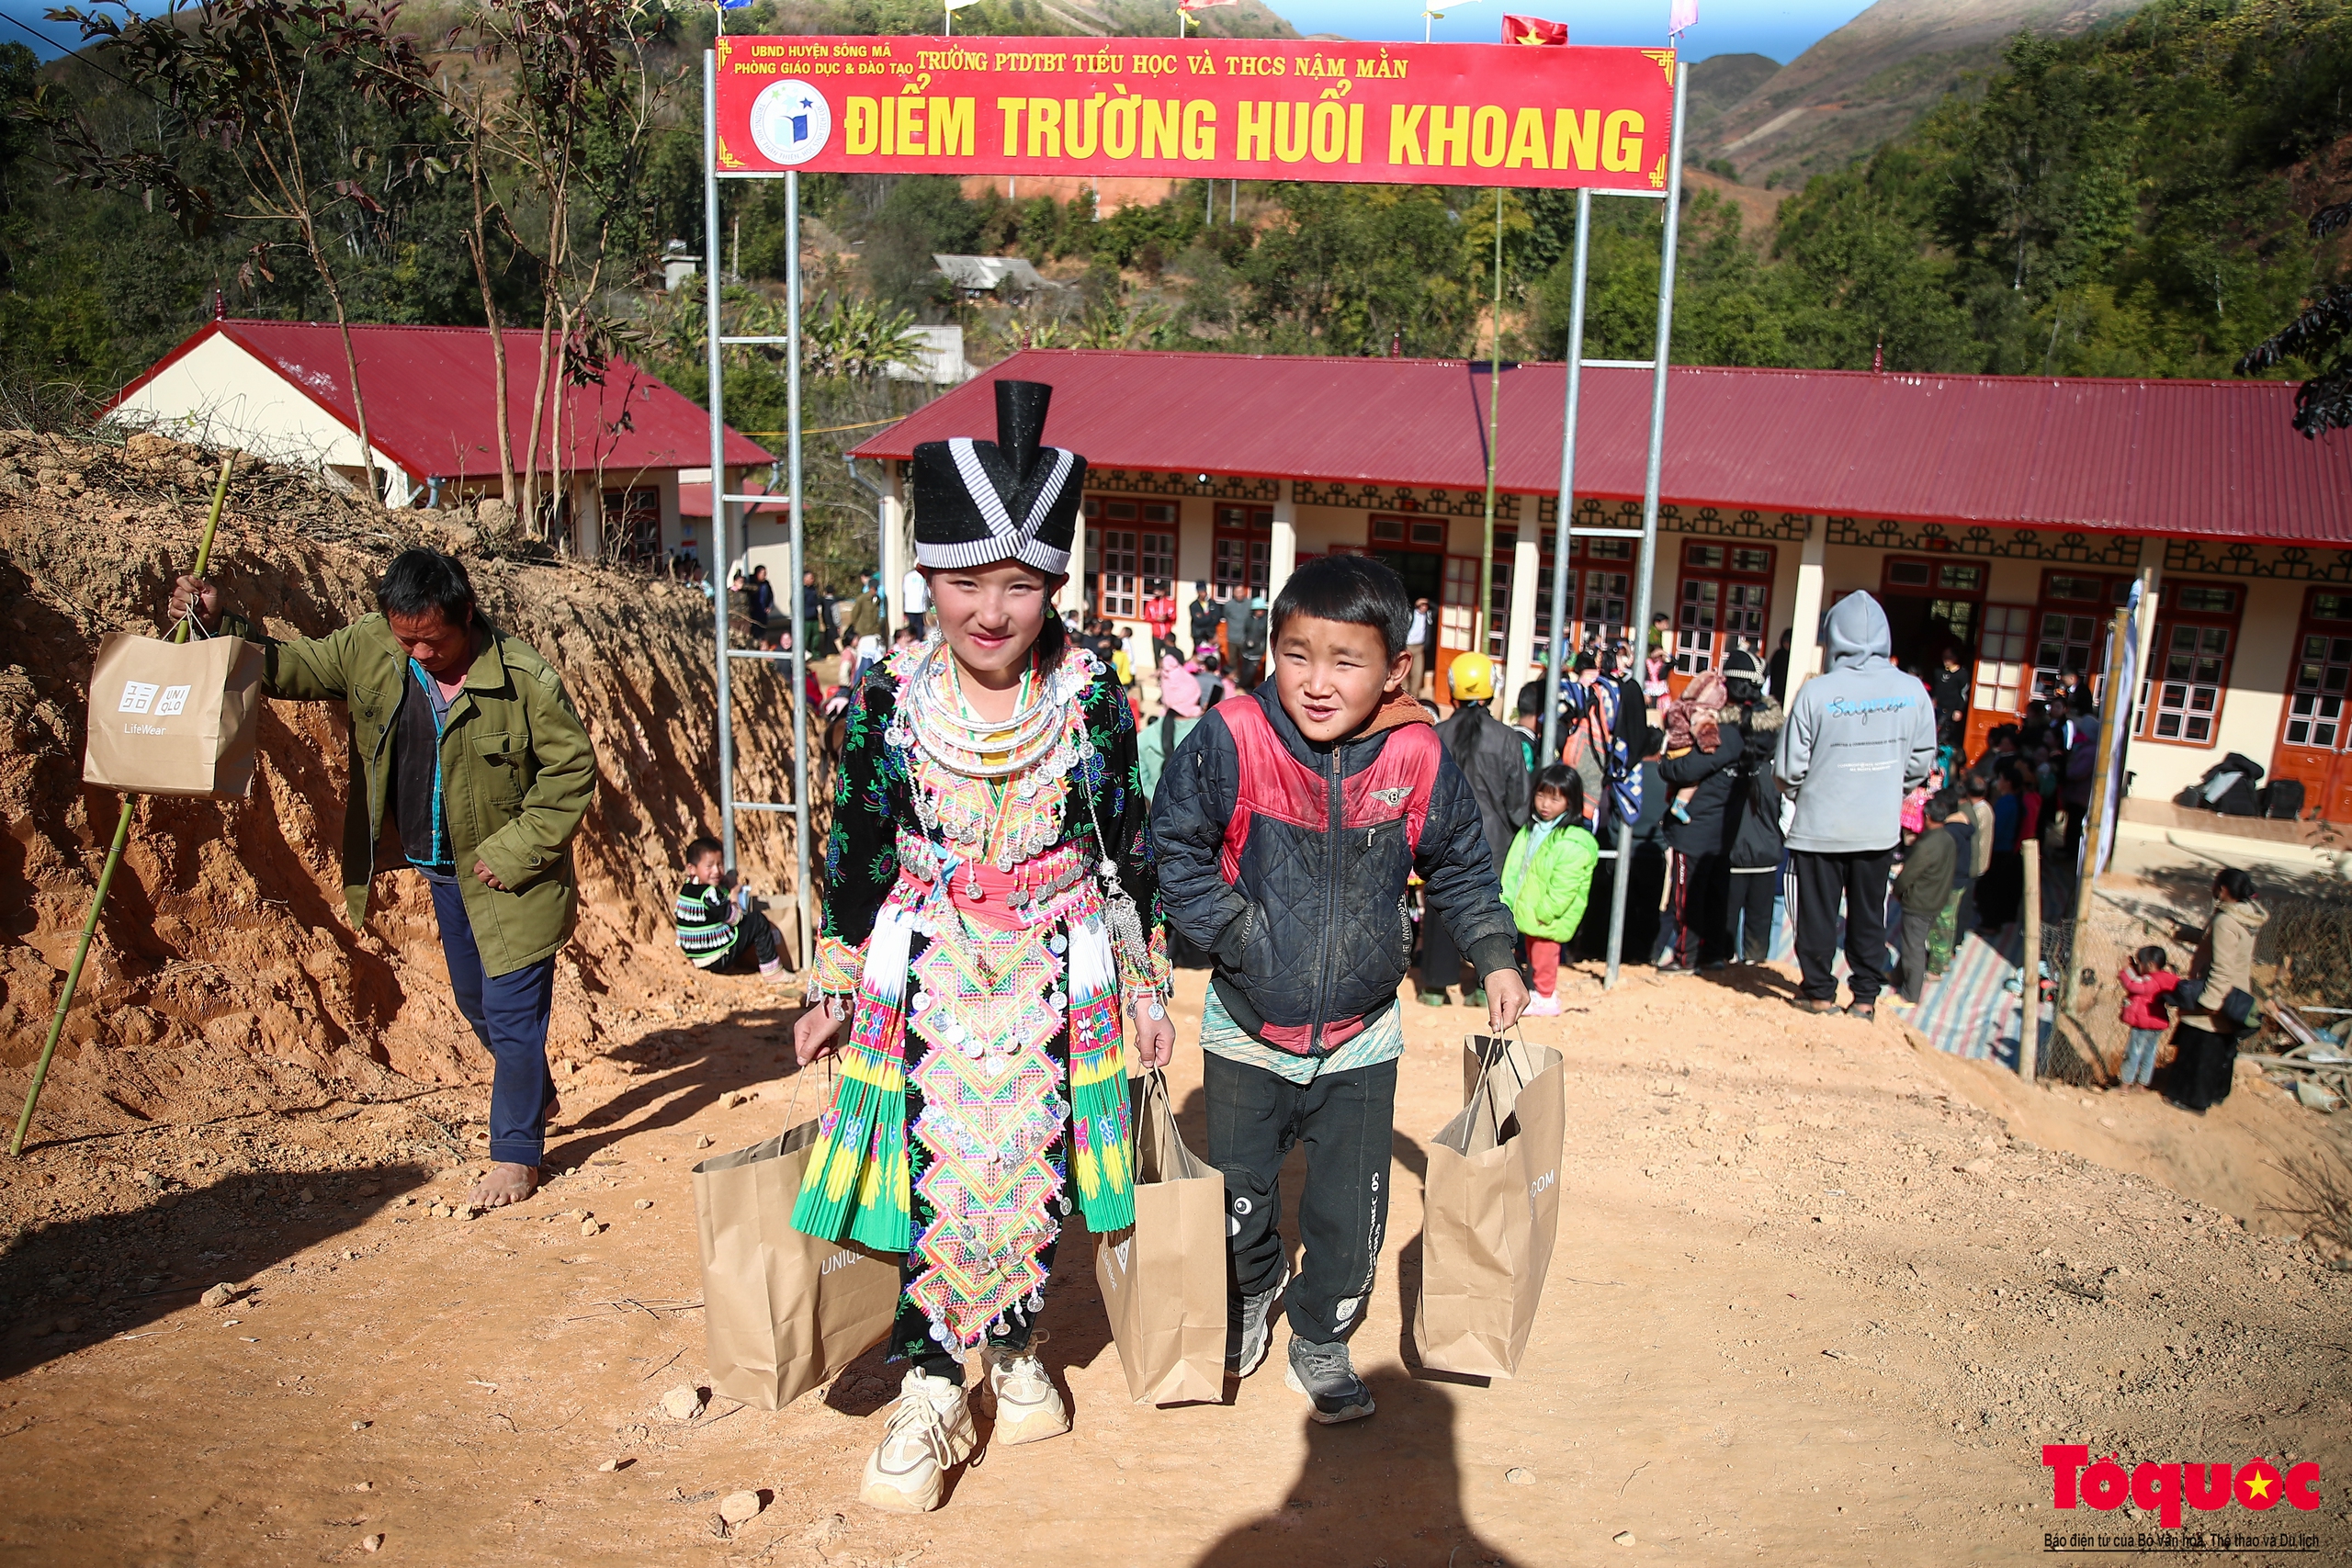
(1968, 1011)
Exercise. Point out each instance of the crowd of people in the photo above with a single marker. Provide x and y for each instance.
(1020, 845)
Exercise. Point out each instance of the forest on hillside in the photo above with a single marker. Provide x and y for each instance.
(2134, 200)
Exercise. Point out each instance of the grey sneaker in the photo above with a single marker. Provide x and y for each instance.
(1248, 1333)
(1327, 1378)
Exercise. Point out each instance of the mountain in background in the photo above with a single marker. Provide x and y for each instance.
(1718, 83)
(1870, 81)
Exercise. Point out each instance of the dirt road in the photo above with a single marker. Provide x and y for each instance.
(1810, 1300)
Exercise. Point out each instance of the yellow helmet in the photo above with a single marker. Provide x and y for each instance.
(1472, 675)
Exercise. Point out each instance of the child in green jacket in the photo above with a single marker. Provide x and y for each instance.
(1547, 877)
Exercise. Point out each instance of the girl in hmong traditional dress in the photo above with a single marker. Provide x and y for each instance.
(990, 910)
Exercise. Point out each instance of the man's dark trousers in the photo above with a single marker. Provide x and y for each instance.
(1345, 1120)
(509, 1013)
(1859, 881)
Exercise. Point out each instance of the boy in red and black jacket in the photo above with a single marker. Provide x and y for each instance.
(1288, 823)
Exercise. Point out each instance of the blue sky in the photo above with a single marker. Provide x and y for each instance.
(1775, 27)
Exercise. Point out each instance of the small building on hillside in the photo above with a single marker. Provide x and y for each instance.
(2006, 517)
(608, 456)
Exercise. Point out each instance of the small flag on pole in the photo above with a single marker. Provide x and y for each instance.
(1202, 5)
(1533, 30)
(1680, 16)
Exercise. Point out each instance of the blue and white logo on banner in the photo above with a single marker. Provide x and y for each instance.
(790, 121)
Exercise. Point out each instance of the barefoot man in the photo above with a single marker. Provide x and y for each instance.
(463, 737)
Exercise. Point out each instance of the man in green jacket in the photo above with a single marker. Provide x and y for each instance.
(464, 738)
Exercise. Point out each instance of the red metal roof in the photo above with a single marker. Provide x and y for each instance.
(2213, 458)
(430, 398)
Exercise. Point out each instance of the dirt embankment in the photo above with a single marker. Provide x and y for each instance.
(226, 977)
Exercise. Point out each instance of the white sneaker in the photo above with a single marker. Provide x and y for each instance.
(1028, 1408)
(929, 1434)
(1542, 1006)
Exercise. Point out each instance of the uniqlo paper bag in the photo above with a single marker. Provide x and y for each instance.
(173, 719)
(1492, 1207)
(1163, 1282)
(781, 1310)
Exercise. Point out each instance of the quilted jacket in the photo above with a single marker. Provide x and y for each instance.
(1308, 920)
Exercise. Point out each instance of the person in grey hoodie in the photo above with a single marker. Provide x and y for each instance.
(1858, 736)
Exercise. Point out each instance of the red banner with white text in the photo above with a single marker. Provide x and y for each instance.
(1217, 109)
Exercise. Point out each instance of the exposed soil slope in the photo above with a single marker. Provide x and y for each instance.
(226, 975)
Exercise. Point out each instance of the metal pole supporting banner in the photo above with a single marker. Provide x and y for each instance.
(1641, 587)
(1562, 530)
(718, 543)
(802, 875)
(1494, 416)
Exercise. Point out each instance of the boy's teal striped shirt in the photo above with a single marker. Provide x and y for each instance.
(704, 934)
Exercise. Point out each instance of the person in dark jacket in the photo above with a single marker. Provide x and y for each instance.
(1948, 689)
(1205, 615)
(1930, 864)
(1288, 824)
(759, 607)
(1499, 761)
(1700, 839)
(1754, 877)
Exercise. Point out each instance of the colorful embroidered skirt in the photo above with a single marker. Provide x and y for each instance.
(978, 1107)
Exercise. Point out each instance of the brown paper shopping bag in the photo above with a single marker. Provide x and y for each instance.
(1492, 1207)
(173, 719)
(1163, 1282)
(782, 1311)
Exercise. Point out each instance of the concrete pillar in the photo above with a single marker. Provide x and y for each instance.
(894, 560)
(1281, 549)
(2152, 557)
(588, 508)
(1804, 625)
(1518, 626)
(1071, 600)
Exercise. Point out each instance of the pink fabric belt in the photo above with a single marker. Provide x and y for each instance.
(1298, 1039)
(1007, 900)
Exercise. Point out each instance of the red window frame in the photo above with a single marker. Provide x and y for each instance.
(2087, 616)
(1740, 573)
(2184, 686)
(1129, 546)
(1241, 550)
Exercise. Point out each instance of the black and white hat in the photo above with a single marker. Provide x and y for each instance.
(1012, 499)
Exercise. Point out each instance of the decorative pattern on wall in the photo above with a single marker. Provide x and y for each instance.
(2291, 563)
(1978, 539)
(1408, 499)
(1221, 487)
(1744, 524)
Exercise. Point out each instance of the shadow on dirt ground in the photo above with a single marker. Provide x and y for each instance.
(105, 1276)
(1389, 1487)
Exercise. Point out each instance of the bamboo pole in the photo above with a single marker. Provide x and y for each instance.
(2119, 710)
(114, 857)
(2030, 1029)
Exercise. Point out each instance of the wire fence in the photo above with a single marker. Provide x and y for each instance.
(2303, 959)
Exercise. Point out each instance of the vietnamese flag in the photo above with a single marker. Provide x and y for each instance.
(1535, 30)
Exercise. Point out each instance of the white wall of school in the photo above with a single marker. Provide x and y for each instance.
(220, 394)
(2254, 703)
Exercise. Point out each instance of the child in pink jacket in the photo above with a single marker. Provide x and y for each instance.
(2145, 980)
